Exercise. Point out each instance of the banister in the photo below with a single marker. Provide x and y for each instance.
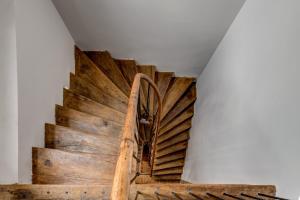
(121, 182)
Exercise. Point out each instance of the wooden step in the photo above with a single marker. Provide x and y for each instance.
(183, 190)
(187, 114)
(128, 69)
(172, 164)
(175, 170)
(106, 63)
(186, 100)
(169, 158)
(172, 149)
(162, 80)
(175, 131)
(87, 69)
(84, 122)
(63, 138)
(177, 88)
(54, 192)
(51, 166)
(168, 178)
(184, 136)
(83, 104)
(83, 87)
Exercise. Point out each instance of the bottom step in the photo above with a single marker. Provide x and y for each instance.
(35, 192)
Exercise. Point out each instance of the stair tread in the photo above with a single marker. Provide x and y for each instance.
(162, 81)
(128, 69)
(83, 87)
(105, 62)
(89, 106)
(187, 99)
(52, 166)
(85, 122)
(184, 136)
(175, 131)
(175, 170)
(169, 158)
(87, 69)
(177, 88)
(67, 139)
(175, 163)
(172, 149)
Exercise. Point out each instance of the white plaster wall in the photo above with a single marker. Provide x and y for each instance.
(247, 123)
(45, 58)
(9, 94)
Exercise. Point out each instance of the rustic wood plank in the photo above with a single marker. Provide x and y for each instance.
(172, 149)
(87, 69)
(54, 192)
(187, 99)
(175, 131)
(184, 136)
(177, 88)
(187, 114)
(199, 189)
(175, 163)
(66, 139)
(83, 104)
(82, 87)
(128, 69)
(51, 166)
(172, 178)
(84, 122)
(175, 170)
(162, 80)
(105, 62)
(168, 158)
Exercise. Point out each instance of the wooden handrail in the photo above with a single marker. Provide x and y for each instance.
(121, 182)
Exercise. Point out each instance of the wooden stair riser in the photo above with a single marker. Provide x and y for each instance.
(175, 163)
(105, 63)
(184, 136)
(85, 122)
(172, 149)
(175, 170)
(86, 105)
(83, 87)
(66, 139)
(170, 158)
(52, 166)
(128, 69)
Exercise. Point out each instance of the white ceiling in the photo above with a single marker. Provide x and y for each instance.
(174, 35)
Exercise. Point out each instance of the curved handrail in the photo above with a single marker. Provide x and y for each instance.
(121, 182)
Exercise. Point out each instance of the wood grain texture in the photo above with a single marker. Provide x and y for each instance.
(186, 114)
(85, 122)
(66, 139)
(172, 149)
(51, 166)
(162, 80)
(86, 105)
(128, 69)
(146, 191)
(175, 163)
(184, 136)
(86, 68)
(169, 158)
(174, 170)
(105, 63)
(175, 131)
(177, 88)
(54, 192)
(83, 87)
(185, 101)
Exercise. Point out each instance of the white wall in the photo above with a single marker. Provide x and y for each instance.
(247, 124)
(9, 98)
(45, 58)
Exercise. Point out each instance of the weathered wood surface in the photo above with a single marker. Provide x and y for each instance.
(86, 105)
(184, 102)
(147, 191)
(175, 131)
(83, 87)
(162, 80)
(66, 139)
(105, 62)
(172, 149)
(177, 88)
(184, 136)
(54, 192)
(87, 69)
(128, 69)
(176, 163)
(169, 158)
(85, 122)
(51, 166)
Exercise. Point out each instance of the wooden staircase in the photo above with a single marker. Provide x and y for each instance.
(86, 142)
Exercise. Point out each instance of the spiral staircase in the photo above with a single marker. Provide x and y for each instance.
(121, 133)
